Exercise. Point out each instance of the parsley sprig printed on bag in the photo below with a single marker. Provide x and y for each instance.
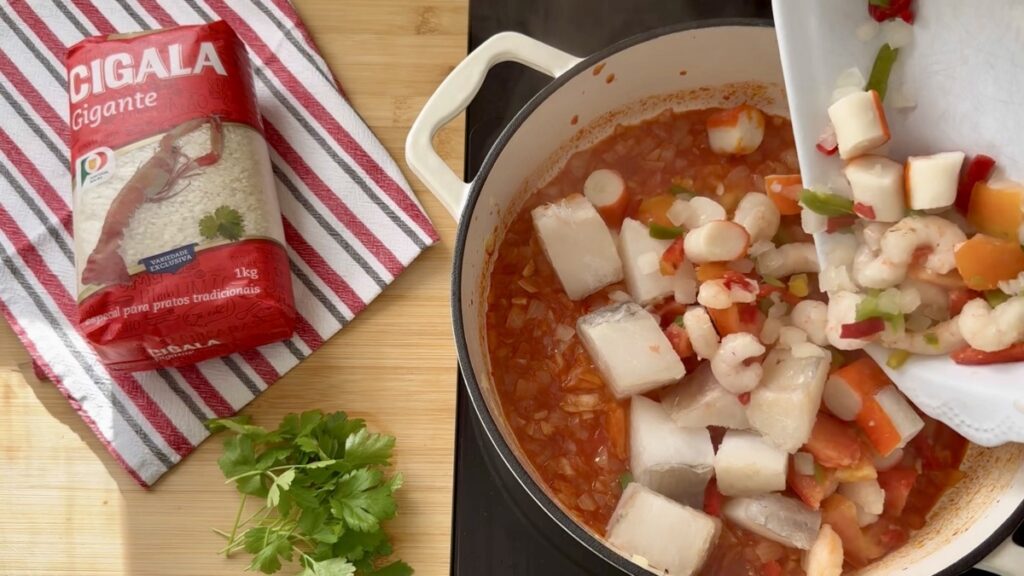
(224, 222)
(324, 489)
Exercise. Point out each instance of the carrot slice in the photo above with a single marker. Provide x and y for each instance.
(833, 443)
(655, 210)
(712, 271)
(615, 424)
(984, 261)
(784, 191)
(996, 211)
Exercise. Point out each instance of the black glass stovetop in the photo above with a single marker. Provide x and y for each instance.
(497, 531)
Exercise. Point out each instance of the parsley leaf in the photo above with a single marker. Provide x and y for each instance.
(325, 488)
(224, 222)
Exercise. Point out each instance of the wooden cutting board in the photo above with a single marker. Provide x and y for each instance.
(67, 508)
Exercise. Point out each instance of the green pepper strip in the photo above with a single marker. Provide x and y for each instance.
(826, 204)
(880, 71)
(665, 232)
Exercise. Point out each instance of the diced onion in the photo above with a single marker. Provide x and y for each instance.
(867, 30)
(897, 33)
(760, 247)
(619, 296)
(743, 265)
(889, 462)
(679, 212)
(563, 332)
(851, 77)
(803, 463)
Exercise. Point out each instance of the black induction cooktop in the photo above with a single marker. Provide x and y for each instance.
(497, 530)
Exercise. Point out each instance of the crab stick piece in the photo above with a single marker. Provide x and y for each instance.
(641, 262)
(877, 186)
(606, 190)
(784, 406)
(673, 461)
(788, 259)
(784, 190)
(700, 401)
(631, 352)
(717, 241)
(859, 122)
(861, 392)
(665, 534)
(578, 244)
(931, 182)
(778, 518)
(736, 131)
(748, 465)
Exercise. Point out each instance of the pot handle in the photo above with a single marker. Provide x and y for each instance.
(454, 95)
(1006, 560)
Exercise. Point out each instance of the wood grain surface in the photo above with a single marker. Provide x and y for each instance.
(67, 508)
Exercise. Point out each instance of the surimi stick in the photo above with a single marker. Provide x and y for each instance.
(606, 190)
(861, 391)
(736, 131)
(860, 124)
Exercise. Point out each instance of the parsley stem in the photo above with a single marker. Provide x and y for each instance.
(317, 464)
(238, 516)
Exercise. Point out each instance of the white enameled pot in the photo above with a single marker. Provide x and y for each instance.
(693, 66)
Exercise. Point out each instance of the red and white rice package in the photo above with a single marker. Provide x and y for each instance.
(178, 237)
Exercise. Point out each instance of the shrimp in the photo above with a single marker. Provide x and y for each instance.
(701, 331)
(758, 214)
(825, 558)
(811, 316)
(887, 265)
(728, 363)
(992, 329)
(938, 340)
(788, 259)
(718, 295)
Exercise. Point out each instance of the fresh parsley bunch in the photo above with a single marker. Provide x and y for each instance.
(325, 494)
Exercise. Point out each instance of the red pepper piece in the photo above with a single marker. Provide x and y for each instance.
(837, 223)
(978, 170)
(895, 9)
(960, 296)
(713, 500)
(744, 398)
(827, 143)
(974, 357)
(864, 210)
(672, 257)
(771, 568)
(862, 329)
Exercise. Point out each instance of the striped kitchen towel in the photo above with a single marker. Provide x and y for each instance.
(351, 223)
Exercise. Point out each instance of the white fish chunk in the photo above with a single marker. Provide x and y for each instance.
(700, 401)
(636, 246)
(668, 535)
(578, 244)
(779, 518)
(673, 461)
(748, 465)
(784, 407)
(630, 350)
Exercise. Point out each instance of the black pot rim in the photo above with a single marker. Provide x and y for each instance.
(497, 441)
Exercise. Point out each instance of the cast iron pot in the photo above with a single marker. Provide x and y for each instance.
(698, 65)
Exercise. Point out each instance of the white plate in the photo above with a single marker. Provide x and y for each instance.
(965, 69)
